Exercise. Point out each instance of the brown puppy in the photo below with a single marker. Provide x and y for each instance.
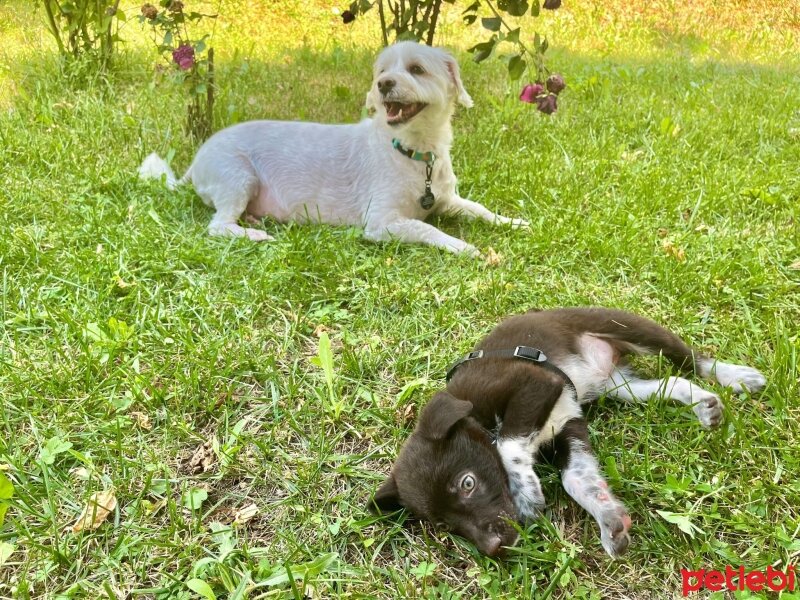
(468, 466)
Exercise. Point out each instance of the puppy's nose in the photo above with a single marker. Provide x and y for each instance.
(385, 86)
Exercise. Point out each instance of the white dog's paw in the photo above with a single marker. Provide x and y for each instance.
(235, 230)
(466, 250)
(708, 409)
(739, 378)
(515, 223)
(258, 235)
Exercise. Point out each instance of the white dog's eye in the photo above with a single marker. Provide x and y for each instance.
(416, 70)
(467, 483)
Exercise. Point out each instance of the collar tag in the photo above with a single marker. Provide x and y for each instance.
(427, 199)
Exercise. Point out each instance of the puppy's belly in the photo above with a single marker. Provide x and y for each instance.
(591, 367)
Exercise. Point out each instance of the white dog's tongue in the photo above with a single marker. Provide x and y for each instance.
(393, 109)
(396, 112)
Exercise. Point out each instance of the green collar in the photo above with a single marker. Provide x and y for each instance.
(427, 157)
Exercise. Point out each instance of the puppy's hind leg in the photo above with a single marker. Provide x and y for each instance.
(737, 377)
(625, 385)
(634, 334)
(581, 477)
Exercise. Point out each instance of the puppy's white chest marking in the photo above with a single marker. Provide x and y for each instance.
(589, 371)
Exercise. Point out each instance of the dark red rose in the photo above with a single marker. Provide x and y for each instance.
(530, 91)
(183, 56)
(348, 17)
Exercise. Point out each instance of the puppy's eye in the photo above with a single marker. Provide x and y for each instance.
(416, 70)
(467, 483)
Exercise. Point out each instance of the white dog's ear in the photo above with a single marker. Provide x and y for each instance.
(370, 102)
(463, 97)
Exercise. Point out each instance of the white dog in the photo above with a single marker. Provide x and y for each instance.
(387, 173)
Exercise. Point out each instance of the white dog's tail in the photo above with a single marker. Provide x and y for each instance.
(154, 167)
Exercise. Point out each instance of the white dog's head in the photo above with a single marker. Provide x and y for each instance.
(415, 87)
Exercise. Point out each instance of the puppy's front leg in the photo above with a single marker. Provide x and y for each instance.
(526, 491)
(581, 477)
(524, 419)
(412, 230)
(473, 210)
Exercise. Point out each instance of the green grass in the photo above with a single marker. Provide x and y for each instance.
(678, 132)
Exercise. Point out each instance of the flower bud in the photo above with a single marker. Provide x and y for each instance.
(551, 4)
(149, 11)
(547, 104)
(348, 17)
(555, 83)
(175, 6)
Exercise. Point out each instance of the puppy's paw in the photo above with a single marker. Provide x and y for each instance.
(739, 378)
(614, 526)
(708, 409)
(526, 492)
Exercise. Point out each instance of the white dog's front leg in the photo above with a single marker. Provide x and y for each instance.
(412, 230)
(473, 210)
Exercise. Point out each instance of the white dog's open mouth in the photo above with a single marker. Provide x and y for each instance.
(397, 112)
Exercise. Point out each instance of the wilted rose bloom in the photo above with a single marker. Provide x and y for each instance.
(547, 104)
(555, 83)
(149, 11)
(530, 91)
(183, 56)
(551, 4)
(348, 17)
(175, 6)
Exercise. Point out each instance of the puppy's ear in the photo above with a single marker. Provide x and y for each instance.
(440, 414)
(463, 97)
(386, 498)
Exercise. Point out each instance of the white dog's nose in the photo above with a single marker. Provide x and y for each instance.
(385, 85)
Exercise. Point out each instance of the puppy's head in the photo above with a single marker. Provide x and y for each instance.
(449, 473)
(414, 85)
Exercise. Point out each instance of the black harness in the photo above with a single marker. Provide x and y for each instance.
(533, 355)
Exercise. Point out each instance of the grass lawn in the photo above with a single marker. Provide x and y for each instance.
(138, 354)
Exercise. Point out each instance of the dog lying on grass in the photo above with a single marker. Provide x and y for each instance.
(527, 380)
(386, 174)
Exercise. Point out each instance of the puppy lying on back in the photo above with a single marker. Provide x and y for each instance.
(527, 380)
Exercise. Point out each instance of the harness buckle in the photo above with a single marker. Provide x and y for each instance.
(474, 354)
(529, 353)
